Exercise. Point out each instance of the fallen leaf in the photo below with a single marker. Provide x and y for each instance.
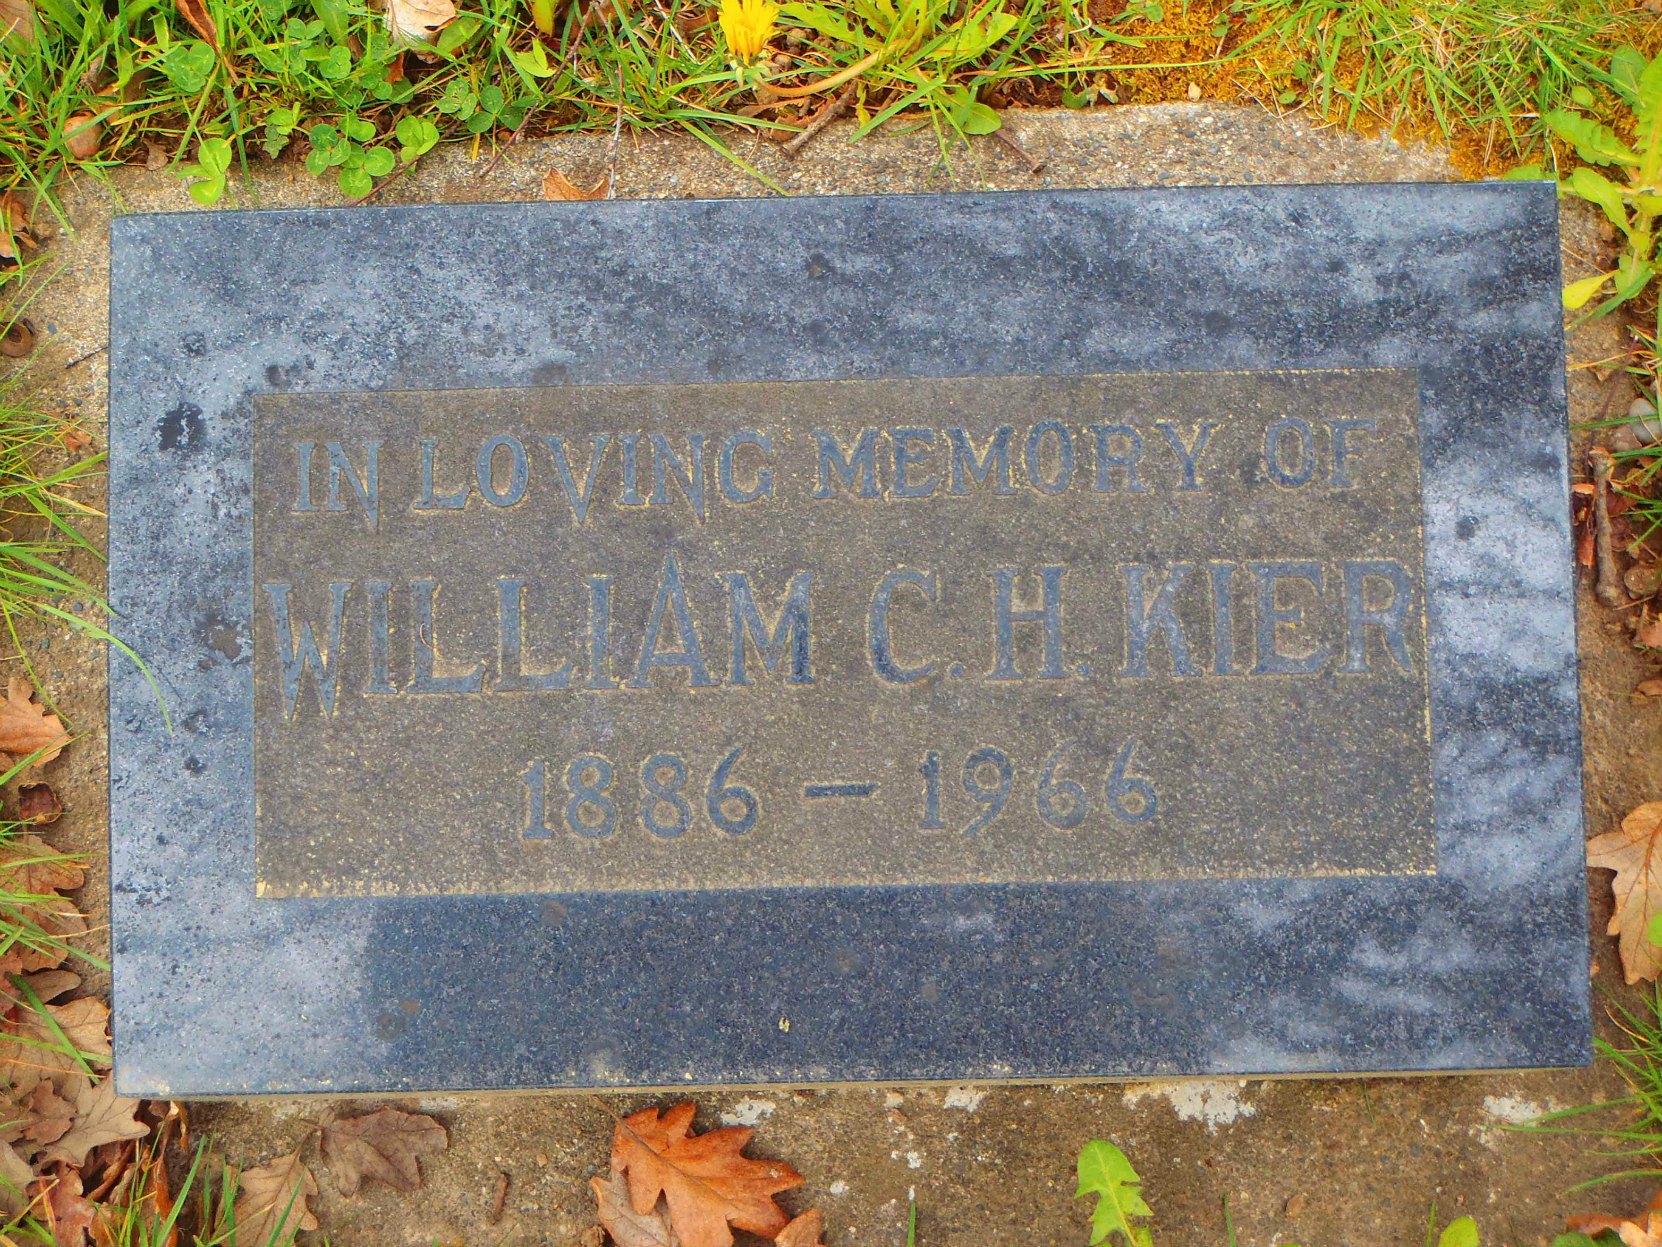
(1632, 852)
(1649, 631)
(31, 1054)
(14, 216)
(50, 984)
(201, 21)
(67, 1214)
(48, 1115)
(38, 803)
(555, 185)
(418, 21)
(31, 868)
(627, 1227)
(83, 134)
(86, 1024)
(704, 1178)
(1630, 1232)
(15, 1176)
(25, 727)
(76, 440)
(101, 1116)
(17, 17)
(808, 1230)
(271, 1200)
(1649, 688)
(382, 1145)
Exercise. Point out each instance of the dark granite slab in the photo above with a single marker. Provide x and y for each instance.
(1275, 767)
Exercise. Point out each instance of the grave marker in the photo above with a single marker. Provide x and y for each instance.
(1053, 635)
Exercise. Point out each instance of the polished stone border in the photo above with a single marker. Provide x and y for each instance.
(1484, 965)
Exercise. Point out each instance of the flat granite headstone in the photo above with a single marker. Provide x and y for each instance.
(987, 636)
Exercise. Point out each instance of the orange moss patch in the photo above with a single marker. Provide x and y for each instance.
(1173, 57)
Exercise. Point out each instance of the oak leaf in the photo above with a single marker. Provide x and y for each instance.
(32, 872)
(627, 1227)
(25, 727)
(808, 1230)
(555, 185)
(67, 1214)
(1632, 1233)
(86, 1024)
(382, 1145)
(101, 1116)
(271, 1200)
(47, 1116)
(1635, 854)
(704, 1178)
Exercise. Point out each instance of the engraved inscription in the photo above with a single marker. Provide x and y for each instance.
(774, 634)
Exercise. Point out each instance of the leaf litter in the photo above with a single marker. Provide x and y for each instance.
(77, 1160)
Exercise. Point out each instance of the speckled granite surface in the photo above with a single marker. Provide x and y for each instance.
(1483, 965)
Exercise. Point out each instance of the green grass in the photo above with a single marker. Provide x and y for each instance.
(310, 78)
(41, 517)
(1488, 68)
(1630, 1127)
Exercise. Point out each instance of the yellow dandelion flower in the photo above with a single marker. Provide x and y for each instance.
(747, 25)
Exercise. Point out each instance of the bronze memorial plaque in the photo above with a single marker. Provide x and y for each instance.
(993, 629)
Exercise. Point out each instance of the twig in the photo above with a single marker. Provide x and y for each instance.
(1608, 588)
(836, 108)
(383, 184)
(81, 359)
(1034, 166)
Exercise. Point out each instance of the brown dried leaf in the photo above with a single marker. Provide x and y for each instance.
(1633, 853)
(83, 135)
(101, 1116)
(627, 1227)
(808, 1230)
(86, 1024)
(1649, 631)
(1649, 688)
(14, 214)
(38, 803)
(201, 21)
(50, 984)
(419, 21)
(383, 1145)
(67, 1213)
(48, 1115)
(26, 728)
(17, 19)
(555, 185)
(15, 1176)
(271, 1200)
(704, 1178)
(1632, 1233)
(31, 867)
